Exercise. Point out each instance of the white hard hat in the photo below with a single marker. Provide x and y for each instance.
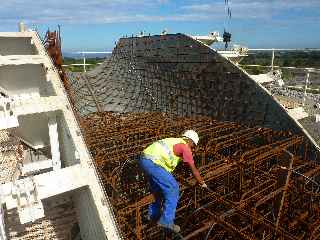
(191, 135)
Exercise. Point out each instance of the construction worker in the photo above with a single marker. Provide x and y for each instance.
(158, 162)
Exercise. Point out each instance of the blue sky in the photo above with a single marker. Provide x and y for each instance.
(97, 24)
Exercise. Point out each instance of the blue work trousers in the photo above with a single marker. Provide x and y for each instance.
(164, 186)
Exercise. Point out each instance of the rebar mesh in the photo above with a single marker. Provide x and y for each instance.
(245, 167)
(177, 75)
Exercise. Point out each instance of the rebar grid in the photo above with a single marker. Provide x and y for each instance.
(253, 195)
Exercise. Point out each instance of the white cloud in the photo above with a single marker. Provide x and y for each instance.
(252, 8)
(93, 11)
(66, 10)
(199, 7)
(113, 11)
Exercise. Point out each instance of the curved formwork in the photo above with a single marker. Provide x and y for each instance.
(176, 74)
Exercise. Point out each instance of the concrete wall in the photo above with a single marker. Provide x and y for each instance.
(25, 79)
(34, 129)
(31, 85)
(17, 46)
(67, 148)
(88, 218)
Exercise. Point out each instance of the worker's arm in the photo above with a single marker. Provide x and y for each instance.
(185, 152)
(196, 173)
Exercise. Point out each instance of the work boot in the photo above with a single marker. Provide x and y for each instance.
(173, 227)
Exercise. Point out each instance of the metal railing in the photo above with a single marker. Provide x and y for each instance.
(84, 64)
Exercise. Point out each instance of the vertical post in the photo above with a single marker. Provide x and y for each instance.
(272, 60)
(54, 142)
(22, 27)
(84, 62)
(305, 89)
(2, 223)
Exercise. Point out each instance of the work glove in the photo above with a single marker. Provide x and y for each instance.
(204, 185)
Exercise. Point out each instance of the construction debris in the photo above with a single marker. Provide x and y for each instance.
(58, 223)
(11, 154)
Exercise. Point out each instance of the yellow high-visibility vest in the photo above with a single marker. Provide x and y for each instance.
(161, 153)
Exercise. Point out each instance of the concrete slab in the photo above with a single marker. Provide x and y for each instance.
(298, 113)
